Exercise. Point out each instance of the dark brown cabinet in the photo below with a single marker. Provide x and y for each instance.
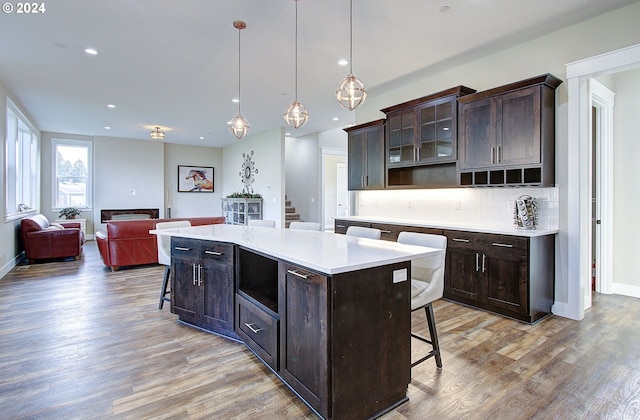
(202, 284)
(507, 134)
(422, 140)
(509, 275)
(366, 156)
(338, 371)
(305, 345)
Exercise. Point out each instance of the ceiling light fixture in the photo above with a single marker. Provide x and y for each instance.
(238, 126)
(296, 114)
(91, 51)
(156, 134)
(351, 93)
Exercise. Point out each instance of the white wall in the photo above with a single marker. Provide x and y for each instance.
(191, 204)
(302, 172)
(125, 165)
(268, 155)
(547, 54)
(10, 231)
(626, 182)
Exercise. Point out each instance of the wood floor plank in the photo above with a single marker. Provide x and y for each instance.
(79, 341)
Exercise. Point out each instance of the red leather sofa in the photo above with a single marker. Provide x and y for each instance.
(128, 242)
(44, 240)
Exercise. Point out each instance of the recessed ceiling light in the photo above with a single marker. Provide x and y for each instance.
(235, 100)
(106, 127)
(201, 137)
(343, 62)
(287, 134)
(111, 106)
(91, 51)
(335, 119)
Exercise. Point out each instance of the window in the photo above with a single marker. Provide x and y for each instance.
(72, 169)
(22, 163)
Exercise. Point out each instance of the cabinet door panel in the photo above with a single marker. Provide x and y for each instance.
(462, 273)
(477, 134)
(217, 281)
(507, 280)
(375, 158)
(305, 345)
(185, 295)
(357, 161)
(518, 127)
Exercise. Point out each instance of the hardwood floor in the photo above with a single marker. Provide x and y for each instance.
(79, 341)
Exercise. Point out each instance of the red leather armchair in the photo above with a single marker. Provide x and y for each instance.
(43, 240)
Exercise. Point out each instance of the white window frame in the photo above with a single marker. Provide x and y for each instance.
(22, 165)
(55, 142)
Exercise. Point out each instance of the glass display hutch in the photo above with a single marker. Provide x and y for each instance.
(238, 211)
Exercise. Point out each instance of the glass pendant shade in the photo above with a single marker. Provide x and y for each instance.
(239, 127)
(351, 93)
(296, 115)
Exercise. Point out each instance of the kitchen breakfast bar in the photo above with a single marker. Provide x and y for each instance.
(329, 314)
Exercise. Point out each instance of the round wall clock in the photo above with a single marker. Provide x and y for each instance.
(248, 172)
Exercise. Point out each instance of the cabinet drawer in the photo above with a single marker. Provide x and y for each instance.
(508, 244)
(216, 251)
(184, 247)
(460, 239)
(388, 232)
(259, 330)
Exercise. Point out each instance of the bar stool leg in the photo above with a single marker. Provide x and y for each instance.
(431, 320)
(165, 282)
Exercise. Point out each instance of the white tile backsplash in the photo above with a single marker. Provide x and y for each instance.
(483, 206)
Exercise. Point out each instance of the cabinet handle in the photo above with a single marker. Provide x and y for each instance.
(193, 274)
(341, 226)
(484, 258)
(366, 180)
(493, 157)
(199, 275)
(477, 262)
(180, 248)
(295, 273)
(502, 245)
(460, 240)
(385, 231)
(499, 155)
(217, 254)
(253, 329)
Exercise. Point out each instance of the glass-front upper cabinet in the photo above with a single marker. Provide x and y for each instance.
(423, 131)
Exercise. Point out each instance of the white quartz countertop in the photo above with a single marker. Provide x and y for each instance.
(499, 230)
(325, 252)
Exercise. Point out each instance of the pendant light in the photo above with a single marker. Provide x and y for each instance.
(351, 93)
(238, 126)
(296, 114)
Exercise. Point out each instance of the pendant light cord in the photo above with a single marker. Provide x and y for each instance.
(350, 36)
(296, 70)
(239, 30)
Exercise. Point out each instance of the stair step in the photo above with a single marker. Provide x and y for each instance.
(289, 209)
(292, 216)
(287, 203)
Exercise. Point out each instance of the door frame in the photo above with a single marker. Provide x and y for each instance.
(603, 100)
(579, 171)
(326, 151)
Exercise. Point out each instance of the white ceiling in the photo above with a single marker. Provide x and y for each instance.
(175, 63)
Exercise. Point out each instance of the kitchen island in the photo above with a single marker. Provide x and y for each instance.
(328, 314)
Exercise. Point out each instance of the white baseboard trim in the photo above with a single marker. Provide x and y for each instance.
(625, 289)
(11, 264)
